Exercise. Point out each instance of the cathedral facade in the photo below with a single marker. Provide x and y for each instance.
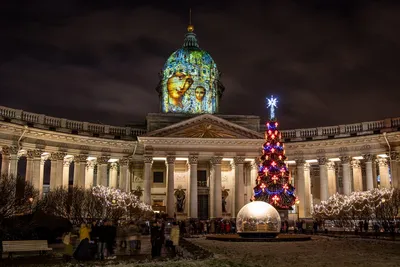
(189, 161)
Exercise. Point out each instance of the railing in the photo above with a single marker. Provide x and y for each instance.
(41, 119)
(68, 124)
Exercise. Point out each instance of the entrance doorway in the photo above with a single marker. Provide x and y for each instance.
(202, 207)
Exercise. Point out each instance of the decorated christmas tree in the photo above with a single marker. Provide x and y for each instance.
(272, 185)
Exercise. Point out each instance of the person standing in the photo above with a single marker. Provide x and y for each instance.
(156, 240)
(175, 234)
(110, 235)
(84, 232)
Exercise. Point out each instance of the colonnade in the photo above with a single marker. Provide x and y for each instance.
(352, 177)
(108, 169)
(215, 184)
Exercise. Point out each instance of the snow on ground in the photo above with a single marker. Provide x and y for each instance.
(320, 251)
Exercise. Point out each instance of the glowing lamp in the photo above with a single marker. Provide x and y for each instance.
(273, 136)
(273, 150)
(276, 124)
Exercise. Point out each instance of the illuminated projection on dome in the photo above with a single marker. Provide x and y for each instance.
(189, 80)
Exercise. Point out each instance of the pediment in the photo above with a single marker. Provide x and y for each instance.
(206, 126)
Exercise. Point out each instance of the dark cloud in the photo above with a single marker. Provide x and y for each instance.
(329, 62)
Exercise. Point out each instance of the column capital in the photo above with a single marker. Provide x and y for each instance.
(148, 159)
(322, 160)
(114, 166)
(394, 155)
(29, 154)
(254, 165)
(5, 150)
(171, 159)
(193, 159)
(67, 162)
(345, 159)
(330, 165)
(103, 160)
(368, 157)
(356, 164)
(300, 162)
(238, 160)
(81, 158)
(9, 150)
(36, 153)
(216, 160)
(90, 164)
(57, 155)
(124, 161)
(383, 162)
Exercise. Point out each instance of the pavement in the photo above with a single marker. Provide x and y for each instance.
(55, 257)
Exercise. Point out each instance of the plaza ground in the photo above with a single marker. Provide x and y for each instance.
(320, 251)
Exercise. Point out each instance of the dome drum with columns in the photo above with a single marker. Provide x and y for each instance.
(207, 159)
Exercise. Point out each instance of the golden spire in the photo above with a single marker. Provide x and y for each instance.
(190, 28)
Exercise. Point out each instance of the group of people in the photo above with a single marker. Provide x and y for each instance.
(99, 239)
(203, 227)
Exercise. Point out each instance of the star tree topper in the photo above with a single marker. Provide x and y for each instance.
(272, 104)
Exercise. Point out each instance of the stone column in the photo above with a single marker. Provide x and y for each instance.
(113, 175)
(56, 169)
(239, 184)
(89, 174)
(308, 195)
(29, 167)
(300, 187)
(37, 179)
(41, 175)
(384, 173)
(124, 181)
(216, 161)
(80, 170)
(323, 174)
(148, 160)
(171, 186)
(13, 161)
(368, 171)
(253, 179)
(193, 213)
(395, 158)
(331, 178)
(5, 160)
(212, 190)
(357, 175)
(102, 165)
(65, 176)
(346, 174)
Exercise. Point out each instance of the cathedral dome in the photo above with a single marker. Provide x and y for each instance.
(190, 80)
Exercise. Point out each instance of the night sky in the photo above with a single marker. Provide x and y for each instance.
(329, 62)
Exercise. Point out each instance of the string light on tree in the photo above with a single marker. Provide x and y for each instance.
(272, 183)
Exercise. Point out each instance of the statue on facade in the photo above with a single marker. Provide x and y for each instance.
(225, 194)
(138, 192)
(180, 199)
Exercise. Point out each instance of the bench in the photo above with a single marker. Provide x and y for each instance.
(25, 246)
